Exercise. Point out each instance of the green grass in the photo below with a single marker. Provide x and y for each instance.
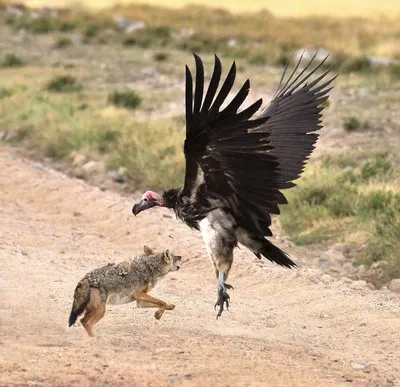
(55, 125)
(356, 205)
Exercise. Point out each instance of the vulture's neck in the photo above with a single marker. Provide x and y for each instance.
(170, 197)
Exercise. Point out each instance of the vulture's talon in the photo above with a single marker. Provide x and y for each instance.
(223, 298)
(229, 287)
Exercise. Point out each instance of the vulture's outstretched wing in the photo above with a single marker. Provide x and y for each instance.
(293, 116)
(243, 163)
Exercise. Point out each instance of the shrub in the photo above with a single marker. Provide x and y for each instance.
(160, 56)
(63, 84)
(11, 60)
(361, 64)
(127, 99)
(91, 31)
(5, 93)
(353, 124)
(130, 41)
(62, 42)
(258, 59)
(378, 167)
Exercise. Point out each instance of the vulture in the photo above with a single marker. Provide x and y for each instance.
(237, 164)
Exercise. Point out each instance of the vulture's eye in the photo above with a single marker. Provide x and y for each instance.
(145, 199)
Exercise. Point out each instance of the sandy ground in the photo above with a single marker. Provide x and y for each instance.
(285, 328)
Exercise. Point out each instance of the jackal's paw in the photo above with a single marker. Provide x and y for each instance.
(223, 298)
(158, 314)
(170, 307)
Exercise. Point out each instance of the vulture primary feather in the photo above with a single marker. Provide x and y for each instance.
(238, 162)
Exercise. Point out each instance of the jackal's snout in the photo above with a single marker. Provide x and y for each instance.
(177, 260)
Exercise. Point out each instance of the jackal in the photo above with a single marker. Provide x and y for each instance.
(122, 283)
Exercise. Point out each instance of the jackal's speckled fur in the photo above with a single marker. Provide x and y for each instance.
(121, 283)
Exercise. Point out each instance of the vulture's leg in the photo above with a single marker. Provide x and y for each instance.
(220, 240)
(223, 296)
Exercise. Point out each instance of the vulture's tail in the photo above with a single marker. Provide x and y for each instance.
(274, 254)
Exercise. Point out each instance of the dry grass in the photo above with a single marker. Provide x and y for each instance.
(260, 37)
(291, 8)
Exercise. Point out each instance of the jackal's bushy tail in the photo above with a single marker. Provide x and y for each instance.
(81, 299)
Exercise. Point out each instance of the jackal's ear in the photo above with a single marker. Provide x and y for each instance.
(147, 250)
(167, 256)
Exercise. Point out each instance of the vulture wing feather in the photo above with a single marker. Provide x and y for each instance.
(242, 163)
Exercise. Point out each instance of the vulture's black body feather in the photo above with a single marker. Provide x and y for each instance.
(238, 163)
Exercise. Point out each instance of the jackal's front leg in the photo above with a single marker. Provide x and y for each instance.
(144, 300)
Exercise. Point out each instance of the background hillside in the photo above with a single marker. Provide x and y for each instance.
(292, 8)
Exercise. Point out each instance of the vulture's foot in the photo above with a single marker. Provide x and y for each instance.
(229, 287)
(223, 298)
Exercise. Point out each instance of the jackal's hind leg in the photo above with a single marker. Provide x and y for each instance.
(89, 314)
(94, 311)
(99, 313)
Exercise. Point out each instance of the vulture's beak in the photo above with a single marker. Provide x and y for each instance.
(142, 205)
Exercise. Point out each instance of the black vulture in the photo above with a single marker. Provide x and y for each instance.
(236, 166)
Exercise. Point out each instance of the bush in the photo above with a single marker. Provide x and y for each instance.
(141, 40)
(62, 42)
(41, 25)
(353, 124)
(5, 93)
(258, 60)
(91, 31)
(379, 167)
(160, 56)
(127, 99)
(11, 60)
(63, 84)
(200, 43)
(361, 64)
(131, 41)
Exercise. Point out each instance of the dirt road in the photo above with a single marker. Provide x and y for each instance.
(285, 328)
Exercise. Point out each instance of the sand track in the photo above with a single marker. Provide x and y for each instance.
(285, 328)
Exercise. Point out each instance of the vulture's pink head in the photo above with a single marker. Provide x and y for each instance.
(149, 199)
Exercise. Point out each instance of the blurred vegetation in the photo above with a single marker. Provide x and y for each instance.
(353, 124)
(349, 200)
(11, 60)
(63, 84)
(62, 42)
(259, 37)
(128, 99)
